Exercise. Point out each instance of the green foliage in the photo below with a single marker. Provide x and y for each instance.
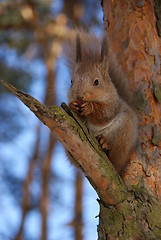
(17, 40)
(20, 78)
(11, 119)
(13, 37)
(10, 15)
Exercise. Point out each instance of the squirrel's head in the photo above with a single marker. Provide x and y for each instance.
(90, 80)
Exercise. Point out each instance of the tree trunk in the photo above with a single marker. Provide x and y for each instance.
(133, 34)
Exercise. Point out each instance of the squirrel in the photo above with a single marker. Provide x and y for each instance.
(99, 94)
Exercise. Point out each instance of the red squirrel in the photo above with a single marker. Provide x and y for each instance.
(100, 95)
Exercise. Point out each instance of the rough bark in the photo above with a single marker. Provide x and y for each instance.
(131, 27)
(133, 34)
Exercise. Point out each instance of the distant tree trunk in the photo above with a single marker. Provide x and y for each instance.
(78, 219)
(131, 27)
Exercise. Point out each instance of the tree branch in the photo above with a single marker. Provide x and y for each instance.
(81, 144)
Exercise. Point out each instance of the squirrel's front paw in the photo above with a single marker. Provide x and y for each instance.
(87, 108)
(75, 106)
(104, 144)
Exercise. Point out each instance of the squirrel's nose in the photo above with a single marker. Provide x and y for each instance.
(80, 97)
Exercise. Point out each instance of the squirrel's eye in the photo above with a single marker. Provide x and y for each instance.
(96, 82)
(71, 82)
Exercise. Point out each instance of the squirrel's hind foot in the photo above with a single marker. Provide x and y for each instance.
(103, 142)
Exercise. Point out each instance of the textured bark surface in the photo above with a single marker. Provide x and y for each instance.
(131, 26)
(133, 34)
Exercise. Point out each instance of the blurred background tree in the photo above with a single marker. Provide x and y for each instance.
(42, 196)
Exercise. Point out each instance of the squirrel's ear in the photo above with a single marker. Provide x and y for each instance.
(104, 48)
(78, 49)
(104, 56)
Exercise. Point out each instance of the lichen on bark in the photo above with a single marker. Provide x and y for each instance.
(137, 217)
(157, 7)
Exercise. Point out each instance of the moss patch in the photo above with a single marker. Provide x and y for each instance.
(139, 100)
(157, 91)
(156, 135)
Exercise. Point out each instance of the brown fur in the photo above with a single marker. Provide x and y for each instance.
(90, 46)
(91, 53)
(100, 94)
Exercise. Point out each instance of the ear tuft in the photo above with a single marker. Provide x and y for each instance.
(104, 48)
(78, 49)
